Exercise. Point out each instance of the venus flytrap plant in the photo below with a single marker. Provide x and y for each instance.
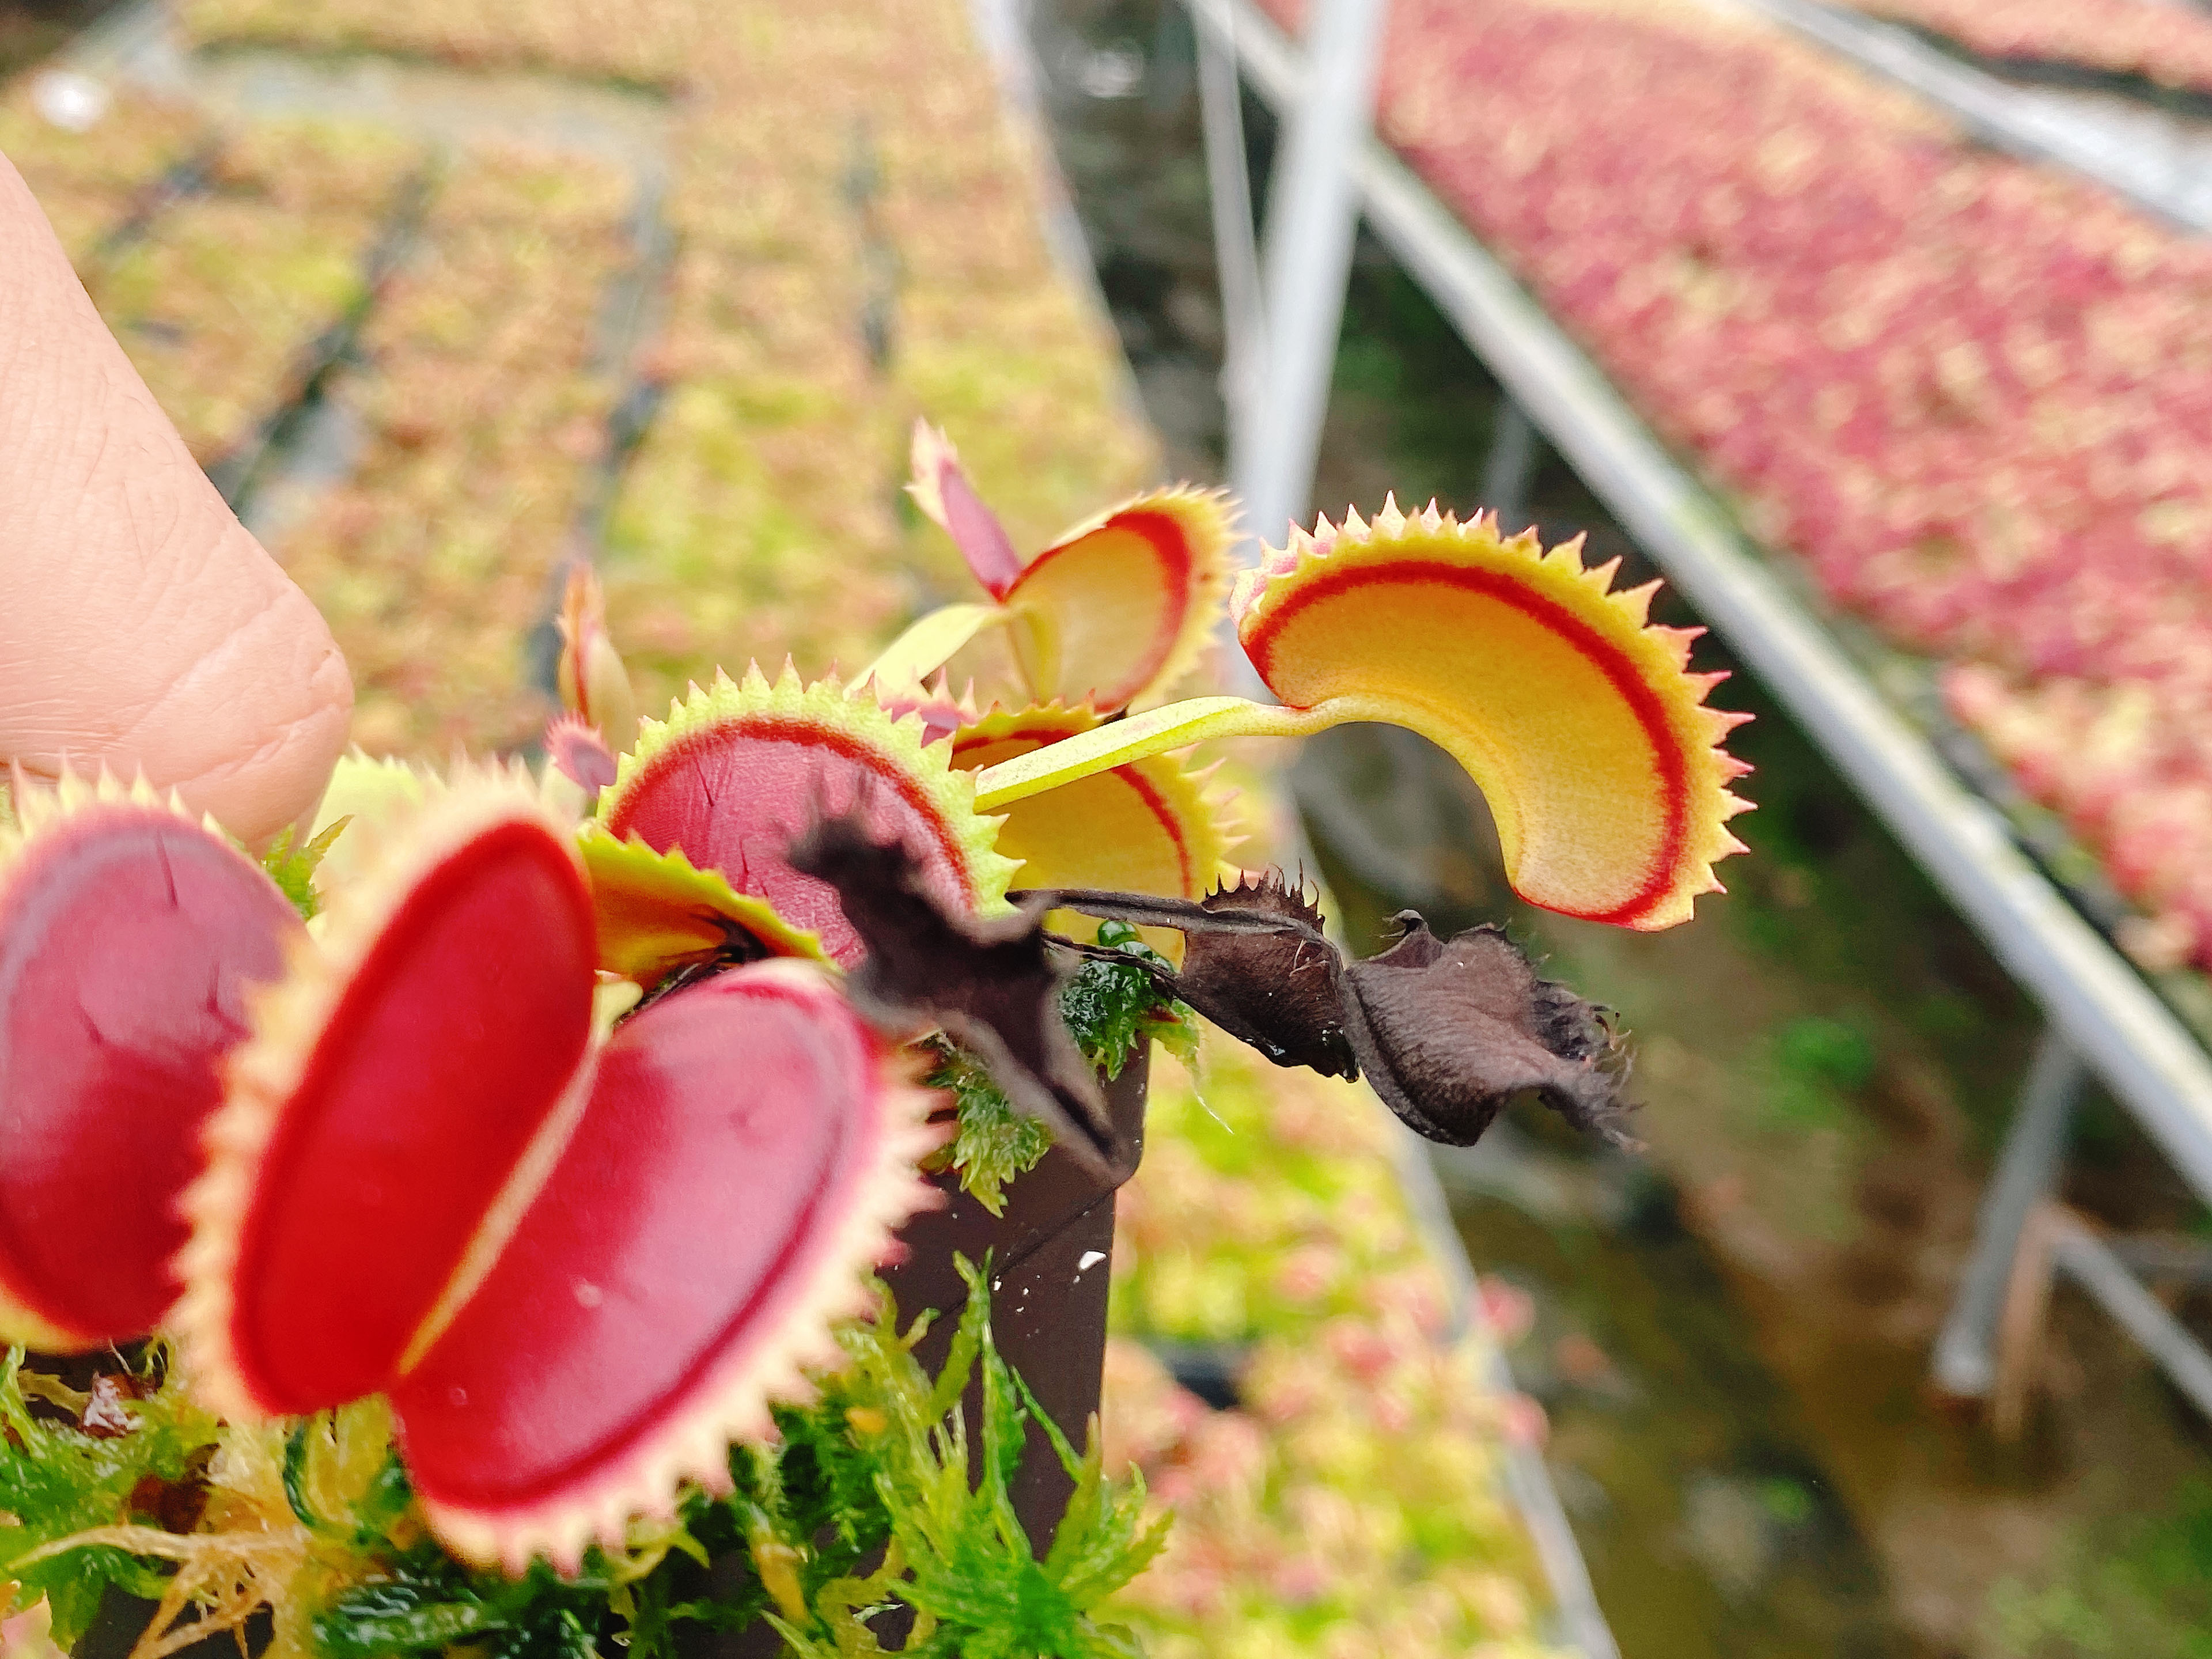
(740, 768)
(594, 684)
(1113, 613)
(572, 1128)
(347, 1211)
(353, 1234)
(131, 934)
(1581, 724)
(1147, 826)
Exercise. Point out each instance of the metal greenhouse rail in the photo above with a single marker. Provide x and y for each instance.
(2172, 185)
(2103, 1017)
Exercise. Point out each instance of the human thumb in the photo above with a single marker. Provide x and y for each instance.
(141, 626)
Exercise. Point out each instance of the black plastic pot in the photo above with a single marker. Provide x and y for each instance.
(1051, 1251)
(1050, 1254)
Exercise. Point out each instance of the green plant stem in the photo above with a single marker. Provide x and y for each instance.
(929, 643)
(1157, 731)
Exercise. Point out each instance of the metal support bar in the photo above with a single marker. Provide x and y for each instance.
(1236, 247)
(1511, 467)
(2134, 1042)
(2084, 1258)
(2026, 1173)
(1312, 211)
(2186, 1260)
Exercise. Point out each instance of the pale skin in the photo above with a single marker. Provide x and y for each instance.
(141, 626)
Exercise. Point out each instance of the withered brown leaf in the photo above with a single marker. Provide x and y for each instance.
(992, 985)
(1255, 962)
(1445, 1030)
(1279, 991)
(1448, 1031)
